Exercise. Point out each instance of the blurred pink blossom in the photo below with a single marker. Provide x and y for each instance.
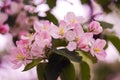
(95, 27)
(97, 49)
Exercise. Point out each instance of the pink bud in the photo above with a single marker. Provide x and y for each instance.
(95, 27)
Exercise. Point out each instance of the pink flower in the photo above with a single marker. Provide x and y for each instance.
(4, 28)
(42, 26)
(71, 46)
(36, 50)
(43, 39)
(84, 41)
(3, 17)
(97, 49)
(70, 18)
(95, 27)
(70, 35)
(29, 8)
(18, 58)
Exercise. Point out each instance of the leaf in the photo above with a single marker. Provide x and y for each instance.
(52, 3)
(32, 64)
(85, 1)
(84, 71)
(68, 73)
(72, 55)
(104, 4)
(87, 57)
(11, 20)
(55, 65)
(51, 17)
(41, 71)
(115, 41)
(106, 25)
(58, 43)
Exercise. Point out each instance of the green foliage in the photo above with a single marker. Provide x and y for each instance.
(50, 17)
(102, 71)
(55, 65)
(68, 73)
(32, 64)
(117, 3)
(115, 41)
(87, 57)
(58, 43)
(11, 21)
(51, 3)
(85, 1)
(72, 55)
(106, 25)
(41, 71)
(85, 71)
(104, 4)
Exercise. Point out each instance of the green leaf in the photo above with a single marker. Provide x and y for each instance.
(106, 25)
(41, 71)
(51, 18)
(84, 71)
(52, 3)
(72, 55)
(103, 2)
(88, 57)
(55, 65)
(68, 73)
(105, 5)
(58, 43)
(32, 64)
(115, 41)
(85, 1)
(11, 21)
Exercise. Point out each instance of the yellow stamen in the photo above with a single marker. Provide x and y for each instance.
(73, 20)
(45, 28)
(77, 39)
(20, 57)
(61, 31)
(97, 50)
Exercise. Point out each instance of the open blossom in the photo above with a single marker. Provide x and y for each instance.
(61, 30)
(43, 39)
(42, 26)
(95, 27)
(97, 49)
(71, 18)
(84, 42)
(18, 58)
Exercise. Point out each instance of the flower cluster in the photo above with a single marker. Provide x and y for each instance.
(18, 10)
(33, 46)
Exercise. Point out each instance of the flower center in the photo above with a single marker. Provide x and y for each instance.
(20, 57)
(61, 31)
(73, 20)
(97, 50)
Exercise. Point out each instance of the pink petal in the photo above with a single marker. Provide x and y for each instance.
(71, 46)
(70, 35)
(101, 56)
(100, 43)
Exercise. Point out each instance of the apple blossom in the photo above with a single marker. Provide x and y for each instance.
(97, 49)
(95, 27)
(71, 18)
(84, 42)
